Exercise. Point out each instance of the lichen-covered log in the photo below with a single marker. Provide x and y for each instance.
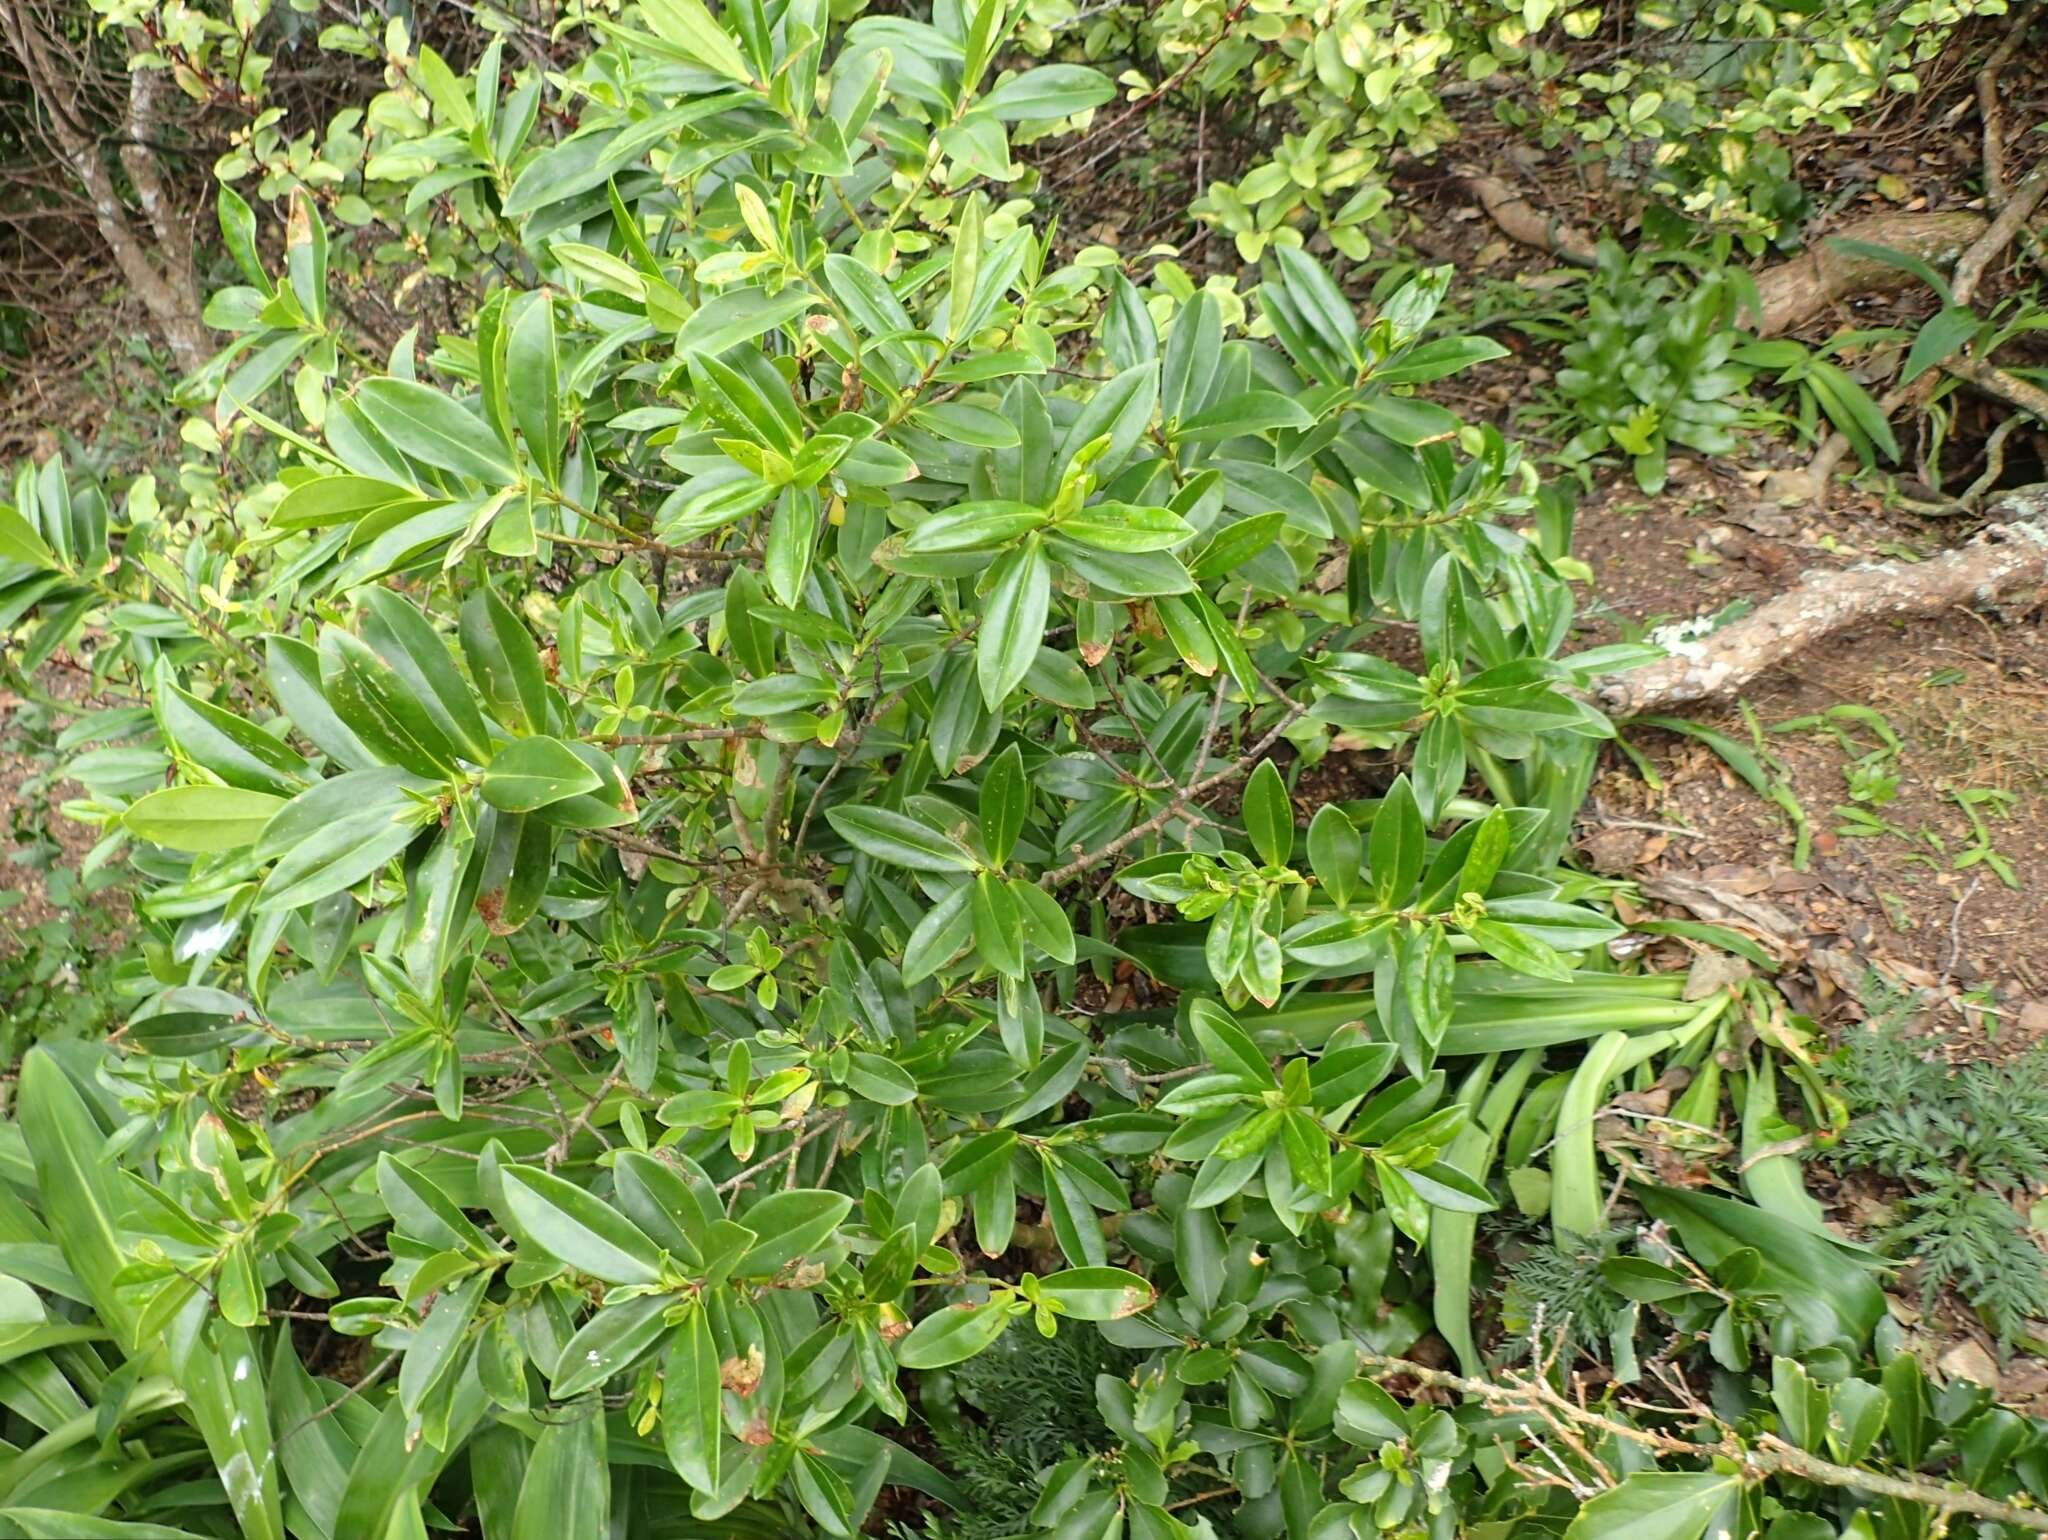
(2006, 558)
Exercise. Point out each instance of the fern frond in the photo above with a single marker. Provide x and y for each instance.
(1968, 1145)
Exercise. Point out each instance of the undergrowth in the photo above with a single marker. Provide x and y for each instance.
(58, 971)
(1968, 1144)
(1555, 1302)
(1002, 1417)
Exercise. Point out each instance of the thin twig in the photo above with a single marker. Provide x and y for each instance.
(772, 819)
(1955, 931)
(358, 1388)
(817, 1130)
(1994, 462)
(1988, 109)
(631, 540)
(1109, 130)
(2013, 215)
(1994, 381)
(689, 735)
(1771, 1456)
(559, 1150)
(1164, 816)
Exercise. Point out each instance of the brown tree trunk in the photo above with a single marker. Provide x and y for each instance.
(1789, 292)
(152, 248)
(1521, 220)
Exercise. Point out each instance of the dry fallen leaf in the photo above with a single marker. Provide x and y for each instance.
(2034, 1019)
(1712, 972)
(1967, 1360)
(1723, 904)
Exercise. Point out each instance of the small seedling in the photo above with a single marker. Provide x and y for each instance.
(1978, 803)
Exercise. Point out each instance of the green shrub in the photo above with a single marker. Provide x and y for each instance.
(60, 959)
(1652, 366)
(1656, 358)
(666, 799)
(1696, 108)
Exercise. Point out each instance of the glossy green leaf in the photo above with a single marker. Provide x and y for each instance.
(1098, 1293)
(1049, 91)
(21, 542)
(951, 1335)
(1228, 1046)
(1395, 846)
(690, 26)
(533, 384)
(1005, 800)
(335, 834)
(84, 1203)
(690, 1421)
(1268, 815)
(436, 429)
(504, 661)
(530, 773)
(612, 1340)
(1656, 1505)
(567, 1490)
(201, 818)
(578, 1229)
(1125, 527)
(792, 1225)
(1336, 854)
(899, 840)
(1018, 598)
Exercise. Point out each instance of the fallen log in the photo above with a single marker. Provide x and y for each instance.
(1826, 274)
(2009, 388)
(1975, 261)
(2006, 557)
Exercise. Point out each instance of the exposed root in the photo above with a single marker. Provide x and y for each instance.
(2013, 214)
(2007, 557)
(1994, 381)
(1788, 293)
(1994, 464)
(1520, 220)
(1826, 274)
(1990, 112)
(1970, 269)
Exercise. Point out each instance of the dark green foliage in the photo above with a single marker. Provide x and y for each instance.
(1650, 365)
(1554, 1295)
(1968, 1144)
(1975, 1242)
(685, 1065)
(57, 981)
(1002, 1417)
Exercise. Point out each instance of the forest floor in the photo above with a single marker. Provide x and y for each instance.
(1914, 753)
